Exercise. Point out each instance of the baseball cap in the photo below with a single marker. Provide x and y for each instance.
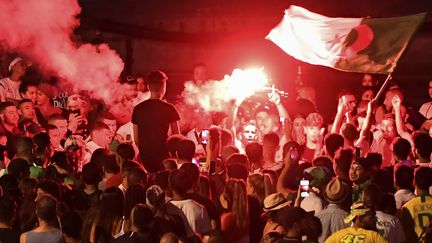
(15, 61)
(318, 176)
(357, 209)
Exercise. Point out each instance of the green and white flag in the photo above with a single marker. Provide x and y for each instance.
(366, 45)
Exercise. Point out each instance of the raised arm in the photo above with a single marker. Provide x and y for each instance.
(290, 159)
(274, 97)
(396, 102)
(232, 115)
(367, 124)
(287, 129)
(135, 134)
(342, 109)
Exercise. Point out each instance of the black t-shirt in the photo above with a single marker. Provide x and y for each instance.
(92, 199)
(153, 118)
(9, 236)
(307, 153)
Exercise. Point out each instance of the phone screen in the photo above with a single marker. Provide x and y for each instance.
(294, 154)
(304, 188)
(204, 136)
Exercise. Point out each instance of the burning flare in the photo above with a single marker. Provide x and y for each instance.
(215, 95)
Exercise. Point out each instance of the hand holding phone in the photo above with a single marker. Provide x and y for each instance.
(205, 136)
(304, 188)
(291, 157)
(294, 154)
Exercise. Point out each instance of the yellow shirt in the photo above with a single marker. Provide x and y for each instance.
(353, 235)
(420, 209)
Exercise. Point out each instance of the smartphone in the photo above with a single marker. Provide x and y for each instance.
(201, 164)
(304, 188)
(205, 136)
(294, 154)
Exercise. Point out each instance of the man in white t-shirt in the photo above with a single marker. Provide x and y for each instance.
(387, 224)
(9, 86)
(100, 138)
(194, 215)
(390, 227)
(403, 180)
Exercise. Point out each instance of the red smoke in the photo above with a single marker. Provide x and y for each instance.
(42, 30)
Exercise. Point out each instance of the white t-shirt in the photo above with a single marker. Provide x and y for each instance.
(195, 213)
(402, 196)
(9, 89)
(390, 227)
(126, 132)
(193, 135)
(312, 203)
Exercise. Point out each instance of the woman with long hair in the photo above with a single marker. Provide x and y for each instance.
(109, 221)
(135, 194)
(259, 186)
(235, 221)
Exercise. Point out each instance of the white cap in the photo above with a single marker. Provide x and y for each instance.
(14, 61)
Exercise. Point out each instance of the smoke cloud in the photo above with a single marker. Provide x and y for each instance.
(42, 30)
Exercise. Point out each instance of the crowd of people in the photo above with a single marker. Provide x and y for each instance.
(130, 171)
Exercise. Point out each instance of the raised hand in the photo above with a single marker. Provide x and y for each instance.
(342, 105)
(396, 102)
(372, 105)
(274, 97)
(291, 157)
(74, 121)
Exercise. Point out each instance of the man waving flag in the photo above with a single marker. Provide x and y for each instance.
(364, 45)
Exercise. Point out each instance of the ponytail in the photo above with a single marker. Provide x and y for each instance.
(235, 193)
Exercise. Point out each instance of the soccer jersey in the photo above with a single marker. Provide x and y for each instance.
(353, 235)
(420, 209)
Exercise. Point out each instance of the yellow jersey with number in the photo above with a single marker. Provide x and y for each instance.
(353, 235)
(420, 209)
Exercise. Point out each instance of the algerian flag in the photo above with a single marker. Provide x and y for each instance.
(365, 45)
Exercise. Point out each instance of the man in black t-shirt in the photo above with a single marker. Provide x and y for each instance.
(7, 216)
(151, 121)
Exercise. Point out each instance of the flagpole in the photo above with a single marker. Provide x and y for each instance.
(383, 87)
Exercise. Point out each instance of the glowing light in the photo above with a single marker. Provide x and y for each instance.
(215, 95)
(244, 83)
